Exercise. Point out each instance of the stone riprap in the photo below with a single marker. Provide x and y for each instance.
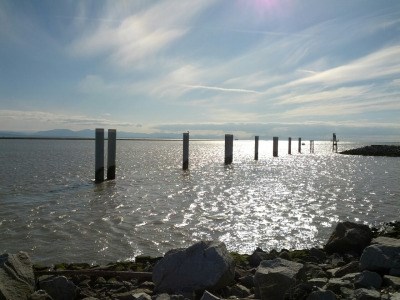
(340, 273)
(375, 150)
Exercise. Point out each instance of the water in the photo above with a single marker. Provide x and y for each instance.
(50, 207)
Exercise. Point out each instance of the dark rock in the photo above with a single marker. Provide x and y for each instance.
(274, 278)
(40, 295)
(375, 150)
(299, 291)
(205, 265)
(382, 256)
(351, 267)
(17, 280)
(208, 296)
(318, 282)
(59, 288)
(163, 296)
(366, 294)
(239, 291)
(319, 254)
(335, 284)
(258, 256)
(247, 281)
(348, 237)
(368, 279)
(322, 295)
(392, 281)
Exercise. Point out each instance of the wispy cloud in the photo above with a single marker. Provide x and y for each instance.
(140, 34)
(221, 89)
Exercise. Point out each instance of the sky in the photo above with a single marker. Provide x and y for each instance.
(248, 67)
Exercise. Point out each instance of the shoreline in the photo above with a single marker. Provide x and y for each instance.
(341, 269)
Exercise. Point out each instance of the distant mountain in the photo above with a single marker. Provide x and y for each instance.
(87, 133)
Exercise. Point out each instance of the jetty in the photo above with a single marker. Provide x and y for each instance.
(375, 150)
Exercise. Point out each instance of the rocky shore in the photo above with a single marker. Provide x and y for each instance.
(357, 262)
(375, 150)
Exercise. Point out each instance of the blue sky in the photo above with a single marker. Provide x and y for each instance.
(248, 67)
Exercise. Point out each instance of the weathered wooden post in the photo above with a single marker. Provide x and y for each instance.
(256, 147)
(99, 158)
(228, 148)
(111, 154)
(185, 164)
(275, 146)
(290, 146)
(311, 146)
(299, 145)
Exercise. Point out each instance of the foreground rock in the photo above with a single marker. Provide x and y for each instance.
(375, 150)
(274, 278)
(203, 266)
(17, 280)
(382, 256)
(348, 237)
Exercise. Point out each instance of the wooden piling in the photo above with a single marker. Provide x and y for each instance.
(299, 145)
(111, 153)
(256, 147)
(228, 149)
(312, 146)
(99, 158)
(290, 146)
(185, 164)
(275, 146)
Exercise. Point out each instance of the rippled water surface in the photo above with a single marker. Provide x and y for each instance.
(50, 208)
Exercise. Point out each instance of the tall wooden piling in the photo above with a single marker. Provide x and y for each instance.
(290, 146)
(275, 146)
(256, 147)
(99, 158)
(185, 164)
(228, 149)
(299, 145)
(111, 154)
(312, 146)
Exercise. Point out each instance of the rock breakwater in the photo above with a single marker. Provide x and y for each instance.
(357, 262)
(375, 150)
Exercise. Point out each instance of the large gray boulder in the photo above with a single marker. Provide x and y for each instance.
(59, 288)
(274, 278)
(382, 256)
(349, 237)
(204, 265)
(17, 280)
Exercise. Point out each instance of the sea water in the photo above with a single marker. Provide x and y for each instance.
(50, 207)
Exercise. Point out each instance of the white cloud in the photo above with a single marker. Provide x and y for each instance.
(140, 34)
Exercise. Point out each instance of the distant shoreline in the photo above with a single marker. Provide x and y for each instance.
(92, 139)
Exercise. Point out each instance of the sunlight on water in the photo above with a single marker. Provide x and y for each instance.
(51, 209)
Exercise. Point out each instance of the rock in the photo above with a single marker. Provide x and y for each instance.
(163, 296)
(322, 295)
(382, 256)
(392, 281)
(258, 256)
(395, 296)
(274, 278)
(17, 280)
(40, 295)
(59, 288)
(247, 281)
(366, 294)
(318, 282)
(335, 284)
(239, 291)
(368, 279)
(351, 267)
(348, 237)
(318, 254)
(208, 296)
(375, 150)
(347, 293)
(204, 265)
